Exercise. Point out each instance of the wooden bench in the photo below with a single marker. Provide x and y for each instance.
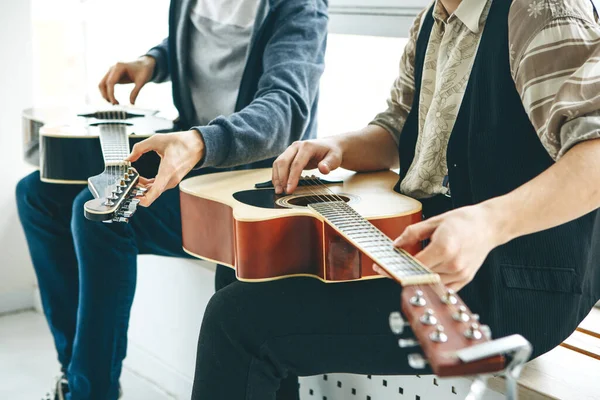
(570, 371)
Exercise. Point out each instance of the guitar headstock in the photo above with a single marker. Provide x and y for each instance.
(443, 326)
(115, 194)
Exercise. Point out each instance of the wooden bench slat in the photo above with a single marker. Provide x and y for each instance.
(591, 324)
(584, 344)
(559, 374)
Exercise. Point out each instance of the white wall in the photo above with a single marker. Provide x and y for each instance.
(16, 274)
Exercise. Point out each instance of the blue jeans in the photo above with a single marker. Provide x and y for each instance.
(87, 275)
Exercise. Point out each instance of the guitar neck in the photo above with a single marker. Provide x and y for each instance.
(115, 144)
(366, 237)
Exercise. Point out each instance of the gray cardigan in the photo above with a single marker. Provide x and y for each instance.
(278, 95)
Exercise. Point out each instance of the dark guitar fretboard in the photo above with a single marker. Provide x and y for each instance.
(370, 240)
(114, 142)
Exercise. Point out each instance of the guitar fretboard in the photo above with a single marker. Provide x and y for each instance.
(114, 142)
(376, 245)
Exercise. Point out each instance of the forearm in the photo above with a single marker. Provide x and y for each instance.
(564, 192)
(369, 149)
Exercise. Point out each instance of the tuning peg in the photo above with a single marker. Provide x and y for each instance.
(428, 318)
(126, 177)
(474, 332)
(108, 202)
(406, 343)
(438, 335)
(126, 214)
(418, 300)
(449, 297)
(397, 323)
(132, 205)
(487, 331)
(121, 219)
(131, 171)
(417, 361)
(122, 184)
(461, 315)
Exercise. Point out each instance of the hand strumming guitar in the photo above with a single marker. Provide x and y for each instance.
(138, 72)
(369, 149)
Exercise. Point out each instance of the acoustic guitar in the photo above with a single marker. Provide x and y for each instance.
(65, 144)
(334, 230)
(91, 148)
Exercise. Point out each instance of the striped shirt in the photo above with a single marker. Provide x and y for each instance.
(554, 57)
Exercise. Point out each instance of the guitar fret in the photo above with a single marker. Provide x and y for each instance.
(372, 241)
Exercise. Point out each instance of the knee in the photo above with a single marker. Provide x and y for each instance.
(79, 223)
(85, 232)
(28, 188)
(224, 313)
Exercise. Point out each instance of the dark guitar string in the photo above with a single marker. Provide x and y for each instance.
(437, 286)
(112, 148)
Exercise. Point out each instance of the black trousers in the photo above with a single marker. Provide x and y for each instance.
(257, 338)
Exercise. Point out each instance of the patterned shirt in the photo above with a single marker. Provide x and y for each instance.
(554, 56)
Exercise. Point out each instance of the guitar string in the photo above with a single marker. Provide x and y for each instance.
(382, 242)
(373, 233)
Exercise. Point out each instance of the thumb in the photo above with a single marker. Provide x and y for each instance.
(141, 148)
(416, 233)
(136, 90)
(331, 162)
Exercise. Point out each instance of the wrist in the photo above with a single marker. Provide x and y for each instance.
(502, 225)
(147, 60)
(196, 143)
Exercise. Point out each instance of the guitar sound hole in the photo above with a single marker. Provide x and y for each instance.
(111, 123)
(266, 198)
(304, 201)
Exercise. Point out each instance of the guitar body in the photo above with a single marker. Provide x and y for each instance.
(66, 147)
(265, 237)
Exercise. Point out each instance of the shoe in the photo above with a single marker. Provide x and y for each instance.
(59, 390)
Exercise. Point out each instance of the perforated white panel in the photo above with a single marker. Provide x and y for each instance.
(360, 387)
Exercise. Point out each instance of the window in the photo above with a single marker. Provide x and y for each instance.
(75, 42)
(390, 18)
(359, 72)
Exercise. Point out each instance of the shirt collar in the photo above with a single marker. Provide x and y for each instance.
(469, 12)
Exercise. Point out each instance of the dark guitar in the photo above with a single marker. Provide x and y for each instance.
(335, 231)
(66, 145)
(91, 148)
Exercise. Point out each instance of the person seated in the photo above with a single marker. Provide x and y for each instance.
(494, 123)
(245, 77)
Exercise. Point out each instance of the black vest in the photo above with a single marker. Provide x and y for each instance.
(540, 285)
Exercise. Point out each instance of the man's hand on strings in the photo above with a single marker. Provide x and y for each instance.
(138, 72)
(179, 152)
(287, 169)
(460, 241)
